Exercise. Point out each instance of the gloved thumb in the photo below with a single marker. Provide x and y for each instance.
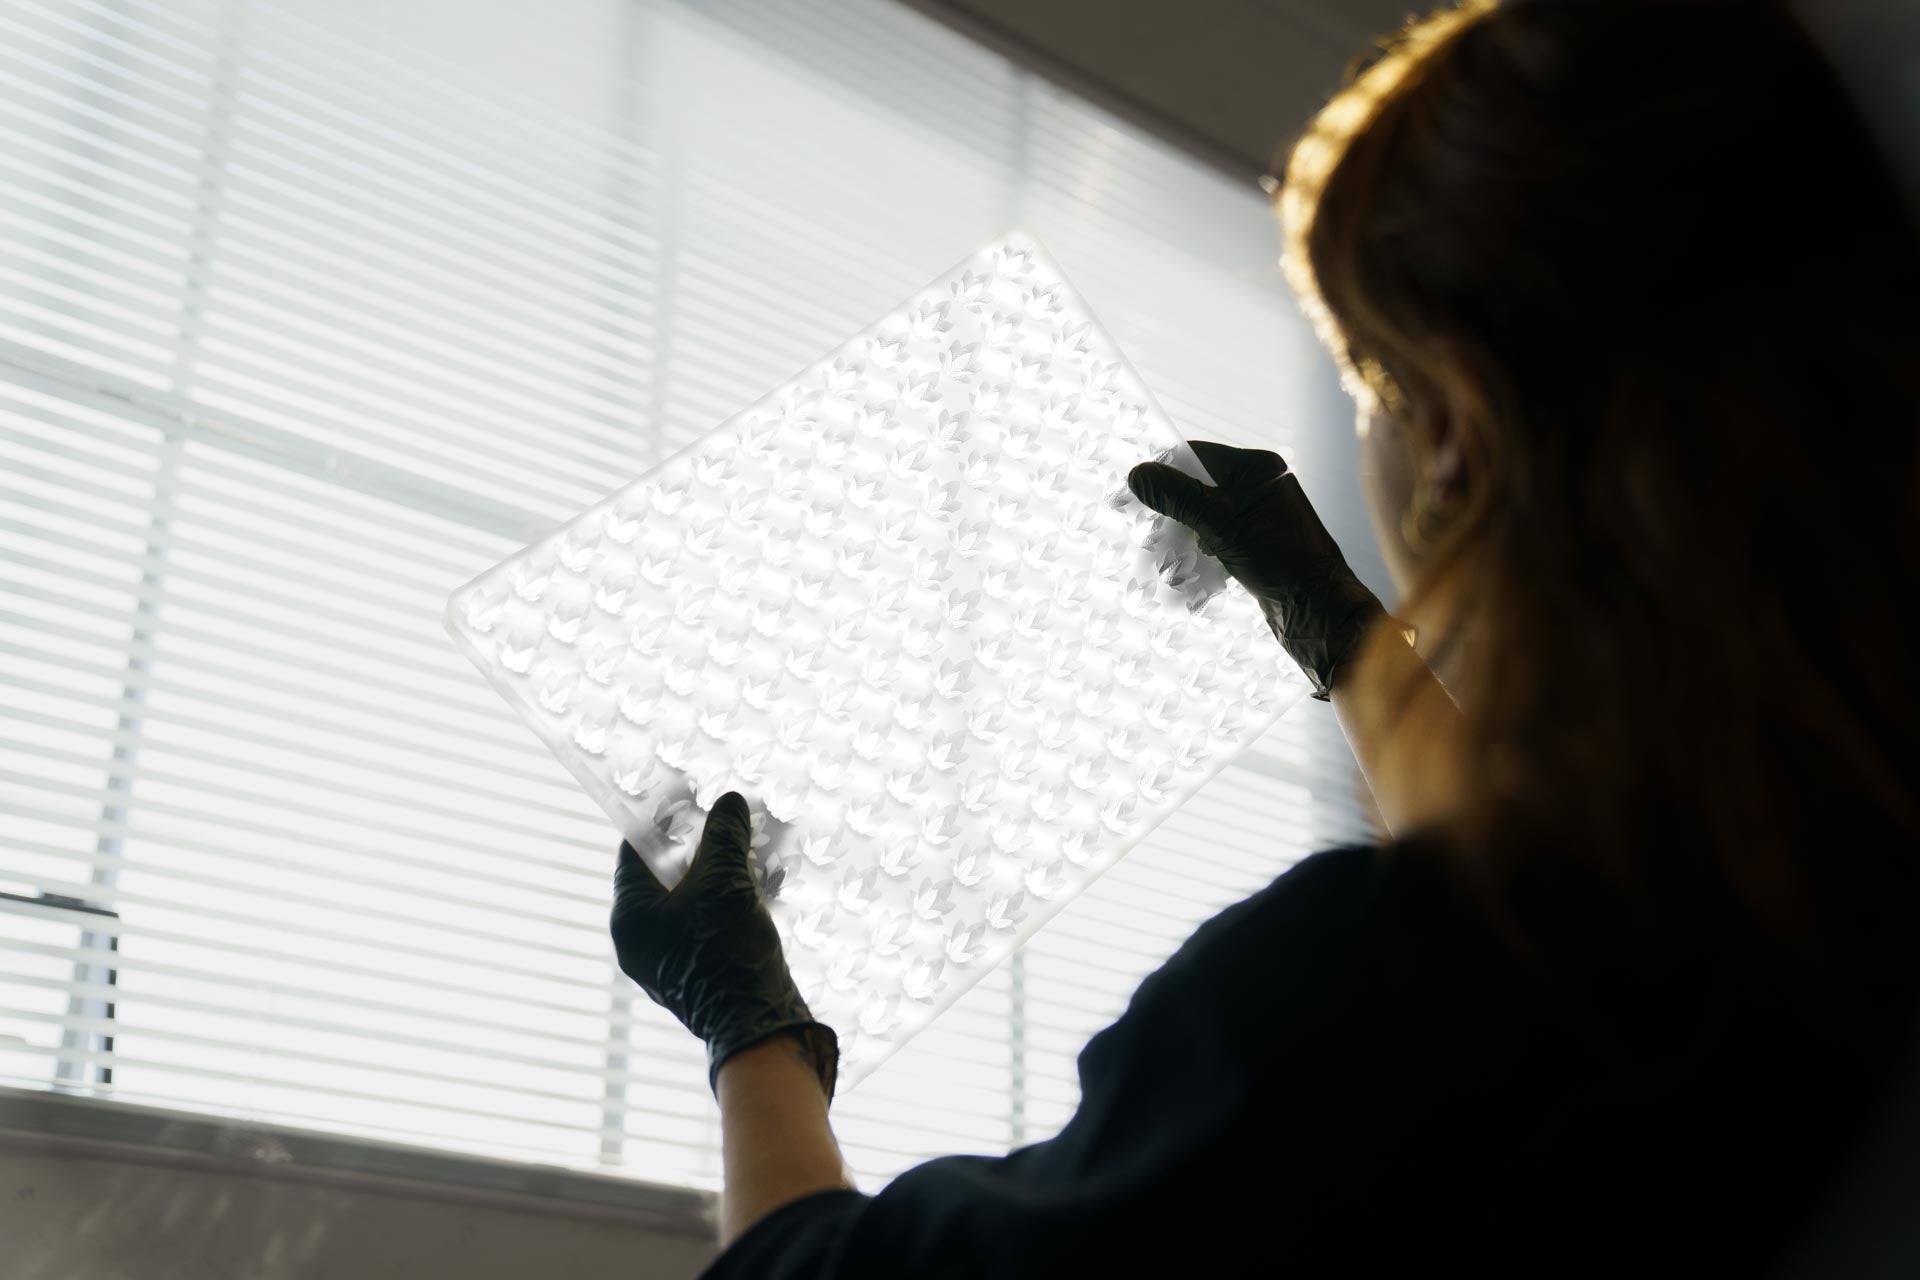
(725, 840)
(1174, 494)
(635, 887)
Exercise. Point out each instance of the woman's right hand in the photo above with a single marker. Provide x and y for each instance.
(1258, 523)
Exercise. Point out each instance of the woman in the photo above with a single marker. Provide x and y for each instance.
(1626, 298)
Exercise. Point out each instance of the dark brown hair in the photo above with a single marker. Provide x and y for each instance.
(1649, 251)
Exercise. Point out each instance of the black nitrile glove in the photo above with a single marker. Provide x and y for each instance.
(1256, 521)
(706, 950)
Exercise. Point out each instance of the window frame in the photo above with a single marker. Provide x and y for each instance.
(142, 1131)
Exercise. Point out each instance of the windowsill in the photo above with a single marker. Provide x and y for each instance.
(35, 1120)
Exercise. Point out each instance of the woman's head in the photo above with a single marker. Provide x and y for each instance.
(1628, 296)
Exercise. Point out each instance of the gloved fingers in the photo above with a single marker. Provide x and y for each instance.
(725, 841)
(634, 884)
(1173, 494)
(1231, 467)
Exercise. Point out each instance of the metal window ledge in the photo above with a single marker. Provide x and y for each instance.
(35, 1120)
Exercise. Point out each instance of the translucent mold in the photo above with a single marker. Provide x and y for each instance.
(906, 606)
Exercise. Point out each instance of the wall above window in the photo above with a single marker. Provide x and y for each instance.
(1228, 80)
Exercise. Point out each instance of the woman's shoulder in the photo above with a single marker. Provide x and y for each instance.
(1352, 936)
(1350, 895)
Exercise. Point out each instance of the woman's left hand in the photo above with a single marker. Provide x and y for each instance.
(706, 950)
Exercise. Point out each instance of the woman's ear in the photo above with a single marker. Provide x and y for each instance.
(1447, 448)
(1449, 431)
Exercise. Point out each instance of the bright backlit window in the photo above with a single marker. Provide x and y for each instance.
(308, 313)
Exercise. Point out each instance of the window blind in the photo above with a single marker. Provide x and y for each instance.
(309, 312)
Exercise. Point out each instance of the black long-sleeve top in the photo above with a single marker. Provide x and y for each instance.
(1348, 1071)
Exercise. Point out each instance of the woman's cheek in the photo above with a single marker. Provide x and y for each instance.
(1386, 478)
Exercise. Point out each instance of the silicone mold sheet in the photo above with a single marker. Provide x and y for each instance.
(905, 605)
